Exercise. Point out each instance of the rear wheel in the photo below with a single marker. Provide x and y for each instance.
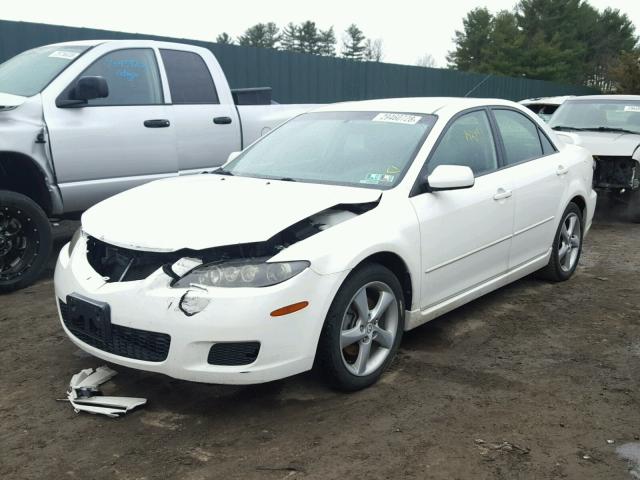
(25, 241)
(567, 246)
(363, 328)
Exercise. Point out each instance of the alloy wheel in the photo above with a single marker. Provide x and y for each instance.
(569, 242)
(369, 328)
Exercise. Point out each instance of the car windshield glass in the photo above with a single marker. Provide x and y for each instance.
(364, 149)
(598, 115)
(28, 73)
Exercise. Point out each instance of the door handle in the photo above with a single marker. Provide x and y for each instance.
(222, 120)
(159, 123)
(501, 194)
(562, 170)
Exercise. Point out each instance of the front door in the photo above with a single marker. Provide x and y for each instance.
(113, 143)
(465, 234)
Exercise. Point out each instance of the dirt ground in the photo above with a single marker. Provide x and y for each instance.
(551, 369)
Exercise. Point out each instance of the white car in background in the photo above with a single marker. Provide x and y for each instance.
(544, 107)
(609, 127)
(325, 240)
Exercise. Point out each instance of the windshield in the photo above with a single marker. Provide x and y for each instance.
(616, 115)
(28, 73)
(364, 149)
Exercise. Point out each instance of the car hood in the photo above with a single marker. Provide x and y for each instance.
(609, 143)
(205, 211)
(8, 101)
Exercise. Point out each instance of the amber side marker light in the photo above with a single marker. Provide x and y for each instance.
(289, 309)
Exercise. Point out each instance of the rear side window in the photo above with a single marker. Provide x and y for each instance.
(547, 147)
(468, 141)
(189, 79)
(519, 136)
(132, 76)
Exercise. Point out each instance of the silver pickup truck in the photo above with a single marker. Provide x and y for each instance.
(82, 121)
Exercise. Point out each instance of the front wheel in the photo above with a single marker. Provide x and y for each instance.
(25, 241)
(567, 246)
(363, 328)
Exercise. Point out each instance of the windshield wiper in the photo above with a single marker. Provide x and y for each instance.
(611, 129)
(287, 179)
(222, 171)
(566, 127)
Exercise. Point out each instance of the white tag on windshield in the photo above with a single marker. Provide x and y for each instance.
(66, 54)
(397, 118)
(632, 108)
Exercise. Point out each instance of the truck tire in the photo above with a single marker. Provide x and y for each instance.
(25, 241)
(633, 206)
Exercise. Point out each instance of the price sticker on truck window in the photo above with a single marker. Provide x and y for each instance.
(632, 108)
(397, 118)
(66, 54)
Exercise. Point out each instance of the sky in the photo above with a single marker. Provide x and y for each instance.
(409, 29)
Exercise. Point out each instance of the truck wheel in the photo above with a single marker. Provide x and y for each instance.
(633, 206)
(25, 241)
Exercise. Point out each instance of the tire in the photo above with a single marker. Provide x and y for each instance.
(378, 331)
(25, 241)
(633, 206)
(567, 246)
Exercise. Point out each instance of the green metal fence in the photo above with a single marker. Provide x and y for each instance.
(302, 78)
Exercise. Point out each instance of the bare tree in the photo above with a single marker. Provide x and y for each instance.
(373, 51)
(426, 60)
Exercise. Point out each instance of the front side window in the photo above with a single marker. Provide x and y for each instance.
(468, 141)
(132, 76)
(28, 73)
(519, 136)
(363, 149)
(189, 79)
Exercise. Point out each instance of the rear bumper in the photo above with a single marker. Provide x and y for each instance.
(287, 344)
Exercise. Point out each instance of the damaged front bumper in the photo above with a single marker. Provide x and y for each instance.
(230, 339)
(616, 173)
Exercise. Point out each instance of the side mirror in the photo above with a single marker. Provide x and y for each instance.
(233, 156)
(88, 88)
(450, 177)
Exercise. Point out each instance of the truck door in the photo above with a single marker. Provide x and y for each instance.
(207, 130)
(114, 143)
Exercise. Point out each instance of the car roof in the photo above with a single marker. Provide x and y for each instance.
(607, 97)
(546, 100)
(426, 105)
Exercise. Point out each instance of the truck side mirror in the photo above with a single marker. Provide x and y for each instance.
(88, 88)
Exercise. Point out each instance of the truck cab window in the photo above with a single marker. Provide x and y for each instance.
(189, 79)
(132, 76)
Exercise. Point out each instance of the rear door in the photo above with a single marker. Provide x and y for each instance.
(112, 143)
(207, 131)
(539, 179)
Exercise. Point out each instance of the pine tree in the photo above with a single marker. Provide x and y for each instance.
(266, 35)
(353, 43)
(290, 38)
(327, 43)
(224, 38)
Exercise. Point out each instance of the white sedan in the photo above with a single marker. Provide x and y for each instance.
(325, 240)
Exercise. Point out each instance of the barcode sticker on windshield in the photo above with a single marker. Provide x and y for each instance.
(66, 54)
(397, 118)
(632, 108)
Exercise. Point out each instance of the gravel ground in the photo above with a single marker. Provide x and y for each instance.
(533, 381)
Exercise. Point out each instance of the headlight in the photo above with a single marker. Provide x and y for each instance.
(72, 243)
(246, 273)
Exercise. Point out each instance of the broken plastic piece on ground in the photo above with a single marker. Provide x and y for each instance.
(85, 396)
